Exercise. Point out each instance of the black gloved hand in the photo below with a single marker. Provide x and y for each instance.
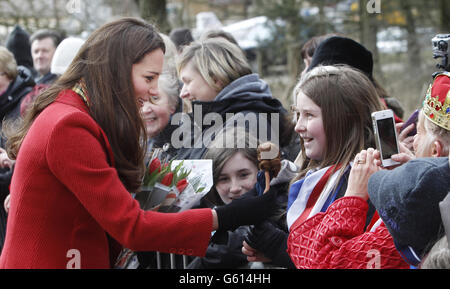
(247, 210)
(271, 242)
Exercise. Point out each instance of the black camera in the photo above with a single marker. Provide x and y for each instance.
(441, 50)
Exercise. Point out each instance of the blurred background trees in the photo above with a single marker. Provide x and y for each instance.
(155, 11)
(399, 36)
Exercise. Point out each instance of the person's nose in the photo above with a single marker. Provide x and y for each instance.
(42, 54)
(235, 187)
(184, 92)
(147, 107)
(153, 90)
(301, 125)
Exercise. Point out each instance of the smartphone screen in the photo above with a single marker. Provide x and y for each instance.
(388, 142)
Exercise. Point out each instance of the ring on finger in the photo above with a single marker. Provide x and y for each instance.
(360, 161)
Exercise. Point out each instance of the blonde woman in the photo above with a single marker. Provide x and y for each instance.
(218, 81)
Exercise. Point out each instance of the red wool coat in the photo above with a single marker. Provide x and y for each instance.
(66, 197)
(336, 240)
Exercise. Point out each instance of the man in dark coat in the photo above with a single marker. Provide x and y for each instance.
(43, 46)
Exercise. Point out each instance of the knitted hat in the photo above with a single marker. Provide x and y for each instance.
(436, 105)
(18, 43)
(65, 53)
(342, 50)
(407, 200)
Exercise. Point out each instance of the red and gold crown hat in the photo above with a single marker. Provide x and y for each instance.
(436, 105)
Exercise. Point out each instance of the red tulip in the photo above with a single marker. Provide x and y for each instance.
(154, 165)
(181, 185)
(167, 180)
(171, 196)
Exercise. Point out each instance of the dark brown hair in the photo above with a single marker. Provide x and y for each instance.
(55, 36)
(310, 46)
(105, 63)
(229, 142)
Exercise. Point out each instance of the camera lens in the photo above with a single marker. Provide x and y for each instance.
(442, 45)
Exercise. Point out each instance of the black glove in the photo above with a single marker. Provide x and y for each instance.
(5, 181)
(247, 210)
(271, 242)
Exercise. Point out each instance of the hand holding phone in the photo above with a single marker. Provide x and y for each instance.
(411, 120)
(385, 136)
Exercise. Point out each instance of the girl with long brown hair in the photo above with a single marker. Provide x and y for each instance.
(335, 125)
(333, 106)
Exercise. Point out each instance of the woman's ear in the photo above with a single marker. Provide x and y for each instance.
(437, 149)
(172, 109)
(218, 83)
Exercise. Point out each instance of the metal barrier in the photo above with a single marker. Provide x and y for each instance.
(173, 263)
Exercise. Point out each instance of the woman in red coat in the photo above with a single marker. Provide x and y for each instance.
(79, 155)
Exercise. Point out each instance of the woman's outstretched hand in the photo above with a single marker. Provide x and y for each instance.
(247, 210)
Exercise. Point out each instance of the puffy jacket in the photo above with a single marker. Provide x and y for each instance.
(246, 95)
(336, 239)
(10, 100)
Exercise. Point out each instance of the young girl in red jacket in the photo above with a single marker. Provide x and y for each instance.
(334, 106)
(405, 198)
(79, 155)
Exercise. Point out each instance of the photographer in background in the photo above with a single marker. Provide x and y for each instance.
(441, 50)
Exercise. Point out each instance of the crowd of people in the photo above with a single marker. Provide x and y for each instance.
(80, 119)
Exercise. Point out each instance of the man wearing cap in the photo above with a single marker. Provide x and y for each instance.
(406, 198)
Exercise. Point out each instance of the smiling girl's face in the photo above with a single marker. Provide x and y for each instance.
(310, 127)
(237, 177)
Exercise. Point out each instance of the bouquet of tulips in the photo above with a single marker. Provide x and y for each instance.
(169, 186)
(172, 186)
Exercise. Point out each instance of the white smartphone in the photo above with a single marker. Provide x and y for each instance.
(385, 136)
